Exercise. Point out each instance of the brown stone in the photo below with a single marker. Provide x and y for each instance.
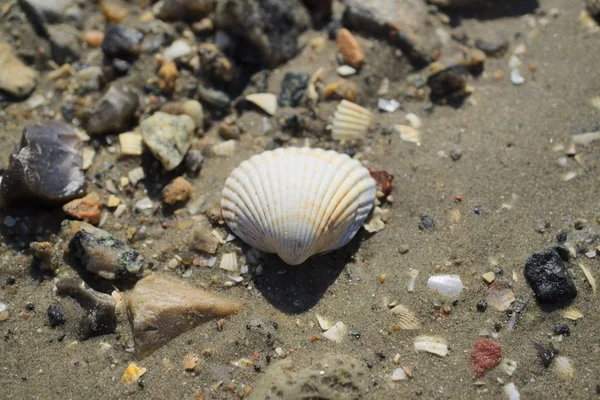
(160, 309)
(85, 209)
(167, 76)
(202, 240)
(350, 49)
(93, 38)
(114, 12)
(178, 190)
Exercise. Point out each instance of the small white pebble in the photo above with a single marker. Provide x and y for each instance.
(346, 70)
(515, 77)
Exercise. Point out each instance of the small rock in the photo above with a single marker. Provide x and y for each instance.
(47, 168)
(293, 86)
(163, 308)
(45, 254)
(183, 10)
(114, 112)
(426, 222)
(190, 362)
(493, 49)
(516, 78)
(65, 43)
(486, 354)
(561, 236)
(85, 209)
(168, 137)
(388, 105)
(178, 190)
(348, 46)
(456, 153)
(193, 161)
(56, 316)
(16, 78)
(93, 38)
(332, 376)
(113, 12)
(103, 254)
(193, 108)
(177, 49)
(89, 79)
(450, 82)
(132, 374)
(229, 131)
(202, 239)
(562, 329)
(214, 98)
(320, 10)
(260, 334)
(549, 278)
(383, 179)
(122, 42)
(100, 318)
(167, 76)
(482, 306)
(215, 64)
(42, 12)
(345, 70)
(546, 355)
(203, 27)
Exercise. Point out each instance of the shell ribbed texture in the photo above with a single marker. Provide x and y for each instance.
(297, 202)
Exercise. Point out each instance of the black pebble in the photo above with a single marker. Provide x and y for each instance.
(426, 222)
(56, 316)
(293, 86)
(562, 329)
(549, 277)
(482, 306)
(546, 355)
(122, 42)
(561, 236)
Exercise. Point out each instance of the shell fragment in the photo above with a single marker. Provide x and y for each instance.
(351, 121)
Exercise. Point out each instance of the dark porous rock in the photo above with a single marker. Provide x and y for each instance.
(320, 10)
(115, 111)
(183, 10)
(293, 86)
(426, 222)
(100, 318)
(160, 309)
(332, 376)
(269, 27)
(562, 235)
(103, 254)
(450, 82)
(122, 42)
(562, 329)
(46, 170)
(549, 278)
(260, 334)
(65, 43)
(56, 315)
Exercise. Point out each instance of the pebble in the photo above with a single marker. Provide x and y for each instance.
(546, 355)
(426, 222)
(449, 82)
(388, 105)
(167, 76)
(486, 354)
(114, 113)
(293, 87)
(178, 49)
(515, 77)
(350, 49)
(214, 98)
(201, 239)
(16, 78)
(65, 43)
(113, 12)
(100, 308)
(456, 153)
(103, 254)
(122, 42)
(562, 329)
(42, 12)
(47, 168)
(132, 374)
(93, 38)
(162, 308)
(549, 278)
(345, 70)
(215, 64)
(56, 316)
(85, 209)
(168, 137)
(177, 191)
(182, 10)
(204, 26)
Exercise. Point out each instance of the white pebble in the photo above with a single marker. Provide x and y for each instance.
(388, 105)
(178, 49)
(346, 70)
(516, 78)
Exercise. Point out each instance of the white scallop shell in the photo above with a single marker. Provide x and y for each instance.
(297, 202)
(350, 121)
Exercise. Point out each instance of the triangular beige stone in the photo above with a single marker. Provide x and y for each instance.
(161, 309)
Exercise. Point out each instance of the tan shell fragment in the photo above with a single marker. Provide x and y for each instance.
(406, 319)
(351, 121)
(297, 202)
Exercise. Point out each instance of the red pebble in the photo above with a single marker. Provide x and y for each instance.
(458, 197)
(486, 354)
(384, 180)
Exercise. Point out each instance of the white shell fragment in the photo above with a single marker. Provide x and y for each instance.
(297, 202)
(589, 277)
(265, 101)
(413, 120)
(413, 279)
(345, 70)
(350, 121)
(572, 313)
(508, 366)
(88, 158)
(408, 133)
(448, 285)
(406, 319)
(399, 374)
(563, 368)
(337, 332)
(323, 322)
(131, 144)
(388, 105)
(229, 262)
(377, 221)
(432, 344)
(586, 138)
(516, 78)
(225, 149)
(511, 392)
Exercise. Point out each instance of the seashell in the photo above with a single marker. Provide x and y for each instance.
(508, 366)
(563, 368)
(131, 144)
(500, 295)
(572, 313)
(511, 391)
(350, 121)
(448, 285)
(229, 262)
(224, 149)
(432, 344)
(589, 277)
(408, 133)
(337, 332)
(407, 320)
(265, 101)
(297, 202)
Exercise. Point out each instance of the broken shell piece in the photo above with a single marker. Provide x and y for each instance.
(407, 320)
(408, 133)
(377, 221)
(399, 374)
(225, 149)
(131, 144)
(337, 332)
(413, 120)
(162, 308)
(508, 366)
(229, 262)
(133, 373)
(432, 344)
(265, 101)
(586, 138)
(323, 322)
(413, 279)
(500, 295)
(511, 392)
(318, 205)
(563, 368)
(448, 285)
(136, 175)
(573, 314)
(589, 277)
(345, 70)
(351, 121)
(88, 158)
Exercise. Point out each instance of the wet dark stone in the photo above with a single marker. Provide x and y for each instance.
(546, 355)
(213, 98)
(426, 223)
(320, 10)
(46, 170)
(482, 306)
(100, 318)
(56, 316)
(122, 42)
(293, 86)
(562, 329)
(549, 278)
(448, 82)
(65, 43)
(332, 29)
(114, 112)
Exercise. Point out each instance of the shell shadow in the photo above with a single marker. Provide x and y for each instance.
(294, 289)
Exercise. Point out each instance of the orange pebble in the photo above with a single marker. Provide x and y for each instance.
(93, 38)
(350, 49)
(114, 12)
